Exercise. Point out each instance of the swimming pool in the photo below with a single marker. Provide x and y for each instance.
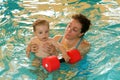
(101, 63)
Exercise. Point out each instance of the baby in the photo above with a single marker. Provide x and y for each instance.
(41, 32)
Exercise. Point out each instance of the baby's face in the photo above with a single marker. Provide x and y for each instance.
(42, 32)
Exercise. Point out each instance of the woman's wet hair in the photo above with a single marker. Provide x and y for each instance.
(83, 20)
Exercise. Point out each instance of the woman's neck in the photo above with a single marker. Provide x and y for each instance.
(70, 43)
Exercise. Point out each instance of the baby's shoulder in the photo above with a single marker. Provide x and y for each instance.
(34, 40)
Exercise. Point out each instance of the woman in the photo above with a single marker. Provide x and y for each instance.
(73, 36)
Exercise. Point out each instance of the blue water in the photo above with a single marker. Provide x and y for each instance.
(102, 61)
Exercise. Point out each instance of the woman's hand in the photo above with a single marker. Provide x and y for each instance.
(34, 47)
(28, 51)
(66, 57)
(49, 48)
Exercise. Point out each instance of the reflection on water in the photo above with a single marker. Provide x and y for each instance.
(101, 63)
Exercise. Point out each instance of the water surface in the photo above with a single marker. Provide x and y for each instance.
(101, 63)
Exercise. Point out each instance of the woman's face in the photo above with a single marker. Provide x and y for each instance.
(73, 30)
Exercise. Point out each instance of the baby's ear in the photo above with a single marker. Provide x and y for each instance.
(34, 34)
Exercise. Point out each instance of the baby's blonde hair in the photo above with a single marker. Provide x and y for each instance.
(40, 22)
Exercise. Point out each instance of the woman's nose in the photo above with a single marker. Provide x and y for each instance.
(69, 30)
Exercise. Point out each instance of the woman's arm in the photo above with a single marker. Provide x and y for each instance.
(51, 49)
(57, 37)
(61, 49)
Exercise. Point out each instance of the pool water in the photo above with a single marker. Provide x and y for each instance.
(102, 61)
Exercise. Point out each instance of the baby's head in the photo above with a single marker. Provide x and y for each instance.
(40, 22)
(41, 29)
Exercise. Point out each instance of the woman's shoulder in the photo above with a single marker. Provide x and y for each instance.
(57, 37)
(84, 47)
(85, 42)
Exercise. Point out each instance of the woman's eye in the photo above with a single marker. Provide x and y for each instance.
(75, 30)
